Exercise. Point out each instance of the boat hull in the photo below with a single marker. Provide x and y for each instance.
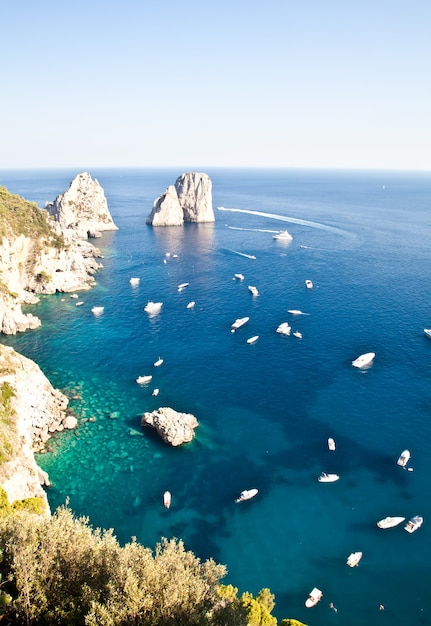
(390, 522)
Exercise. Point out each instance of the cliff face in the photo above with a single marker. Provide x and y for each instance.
(32, 412)
(189, 200)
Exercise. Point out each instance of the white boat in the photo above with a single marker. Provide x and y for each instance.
(79, 303)
(167, 497)
(331, 443)
(404, 458)
(153, 308)
(253, 339)
(238, 323)
(297, 334)
(239, 276)
(134, 281)
(390, 522)
(158, 362)
(143, 380)
(97, 310)
(354, 559)
(314, 597)
(413, 524)
(155, 392)
(182, 286)
(247, 494)
(327, 478)
(364, 359)
(296, 312)
(284, 235)
(253, 290)
(284, 329)
(190, 305)
(74, 295)
(427, 332)
(309, 284)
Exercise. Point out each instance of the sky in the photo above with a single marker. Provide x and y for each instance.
(216, 83)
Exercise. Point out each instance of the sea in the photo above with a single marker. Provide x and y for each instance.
(267, 409)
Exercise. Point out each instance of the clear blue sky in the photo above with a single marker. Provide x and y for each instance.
(284, 83)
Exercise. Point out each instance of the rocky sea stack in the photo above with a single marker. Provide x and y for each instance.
(189, 200)
(174, 427)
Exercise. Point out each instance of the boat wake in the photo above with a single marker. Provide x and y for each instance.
(253, 230)
(292, 220)
(247, 256)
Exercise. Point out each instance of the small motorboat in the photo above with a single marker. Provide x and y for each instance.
(155, 392)
(283, 235)
(134, 281)
(247, 494)
(97, 310)
(404, 458)
(158, 362)
(284, 329)
(390, 522)
(354, 559)
(327, 478)
(296, 312)
(143, 380)
(253, 339)
(253, 290)
(413, 524)
(79, 303)
(182, 286)
(297, 334)
(427, 332)
(309, 284)
(331, 443)
(167, 497)
(314, 597)
(74, 295)
(153, 308)
(190, 305)
(238, 323)
(364, 359)
(239, 276)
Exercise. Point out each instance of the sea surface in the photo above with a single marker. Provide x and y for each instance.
(265, 410)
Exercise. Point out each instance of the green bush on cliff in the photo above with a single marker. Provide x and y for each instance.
(8, 434)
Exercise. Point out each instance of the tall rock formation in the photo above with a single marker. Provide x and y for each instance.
(82, 208)
(189, 200)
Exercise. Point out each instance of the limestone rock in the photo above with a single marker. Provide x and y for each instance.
(174, 428)
(82, 208)
(189, 200)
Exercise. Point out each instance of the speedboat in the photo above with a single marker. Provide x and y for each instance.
(134, 281)
(354, 559)
(239, 276)
(364, 359)
(309, 284)
(158, 362)
(152, 308)
(155, 392)
(404, 458)
(182, 286)
(253, 290)
(314, 597)
(390, 522)
(238, 323)
(413, 524)
(190, 305)
(247, 494)
(297, 334)
(296, 312)
(167, 499)
(253, 339)
(143, 380)
(331, 443)
(284, 329)
(97, 310)
(284, 235)
(427, 332)
(327, 478)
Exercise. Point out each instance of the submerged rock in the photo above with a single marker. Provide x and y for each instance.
(174, 427)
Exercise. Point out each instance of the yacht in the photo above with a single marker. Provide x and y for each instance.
(427, 332)
(390, 522)
(331, 444)
(247, 494)
(238, 323)
(327, 478)
(404, 458)
(284, 329)
(167, 497)
(283, 235)
(413, 524)
(134, 281)
(314, 597)
(354, 559)
(296, 312)
(253, 290)
(253, 339)
(364, 359)
(153, 308)
(183, 286)
(97, 310)
(143, 380)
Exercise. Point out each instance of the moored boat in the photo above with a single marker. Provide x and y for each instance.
(238, 323)
(331, 443)
(253, 290)
(390, 522)
(404, 458)
(155, 392)
(152, 308)
(247, 494)
(134, 281)
(314, 597)
(427, 332)
(327, 478)
(239, 276)
(253, 339)
(297, 334)
(309, 284)
(354, 559)
(284, 329)
(97, 310)
(167, 498)
(364, 359)
(182, 286)
(158, 362)
(143, 380)
(414, 523)
(190, 305)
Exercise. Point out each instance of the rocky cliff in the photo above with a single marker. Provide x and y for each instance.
(189, 200)
(31, 411)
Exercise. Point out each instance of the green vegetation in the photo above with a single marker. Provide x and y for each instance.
(22, 217)
(8, 433)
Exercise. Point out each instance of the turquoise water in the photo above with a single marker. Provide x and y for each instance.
(267, 409)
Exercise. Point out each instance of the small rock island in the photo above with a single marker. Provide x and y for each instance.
(175, 428)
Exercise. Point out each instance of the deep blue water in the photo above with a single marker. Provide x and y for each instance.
(267, 409)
